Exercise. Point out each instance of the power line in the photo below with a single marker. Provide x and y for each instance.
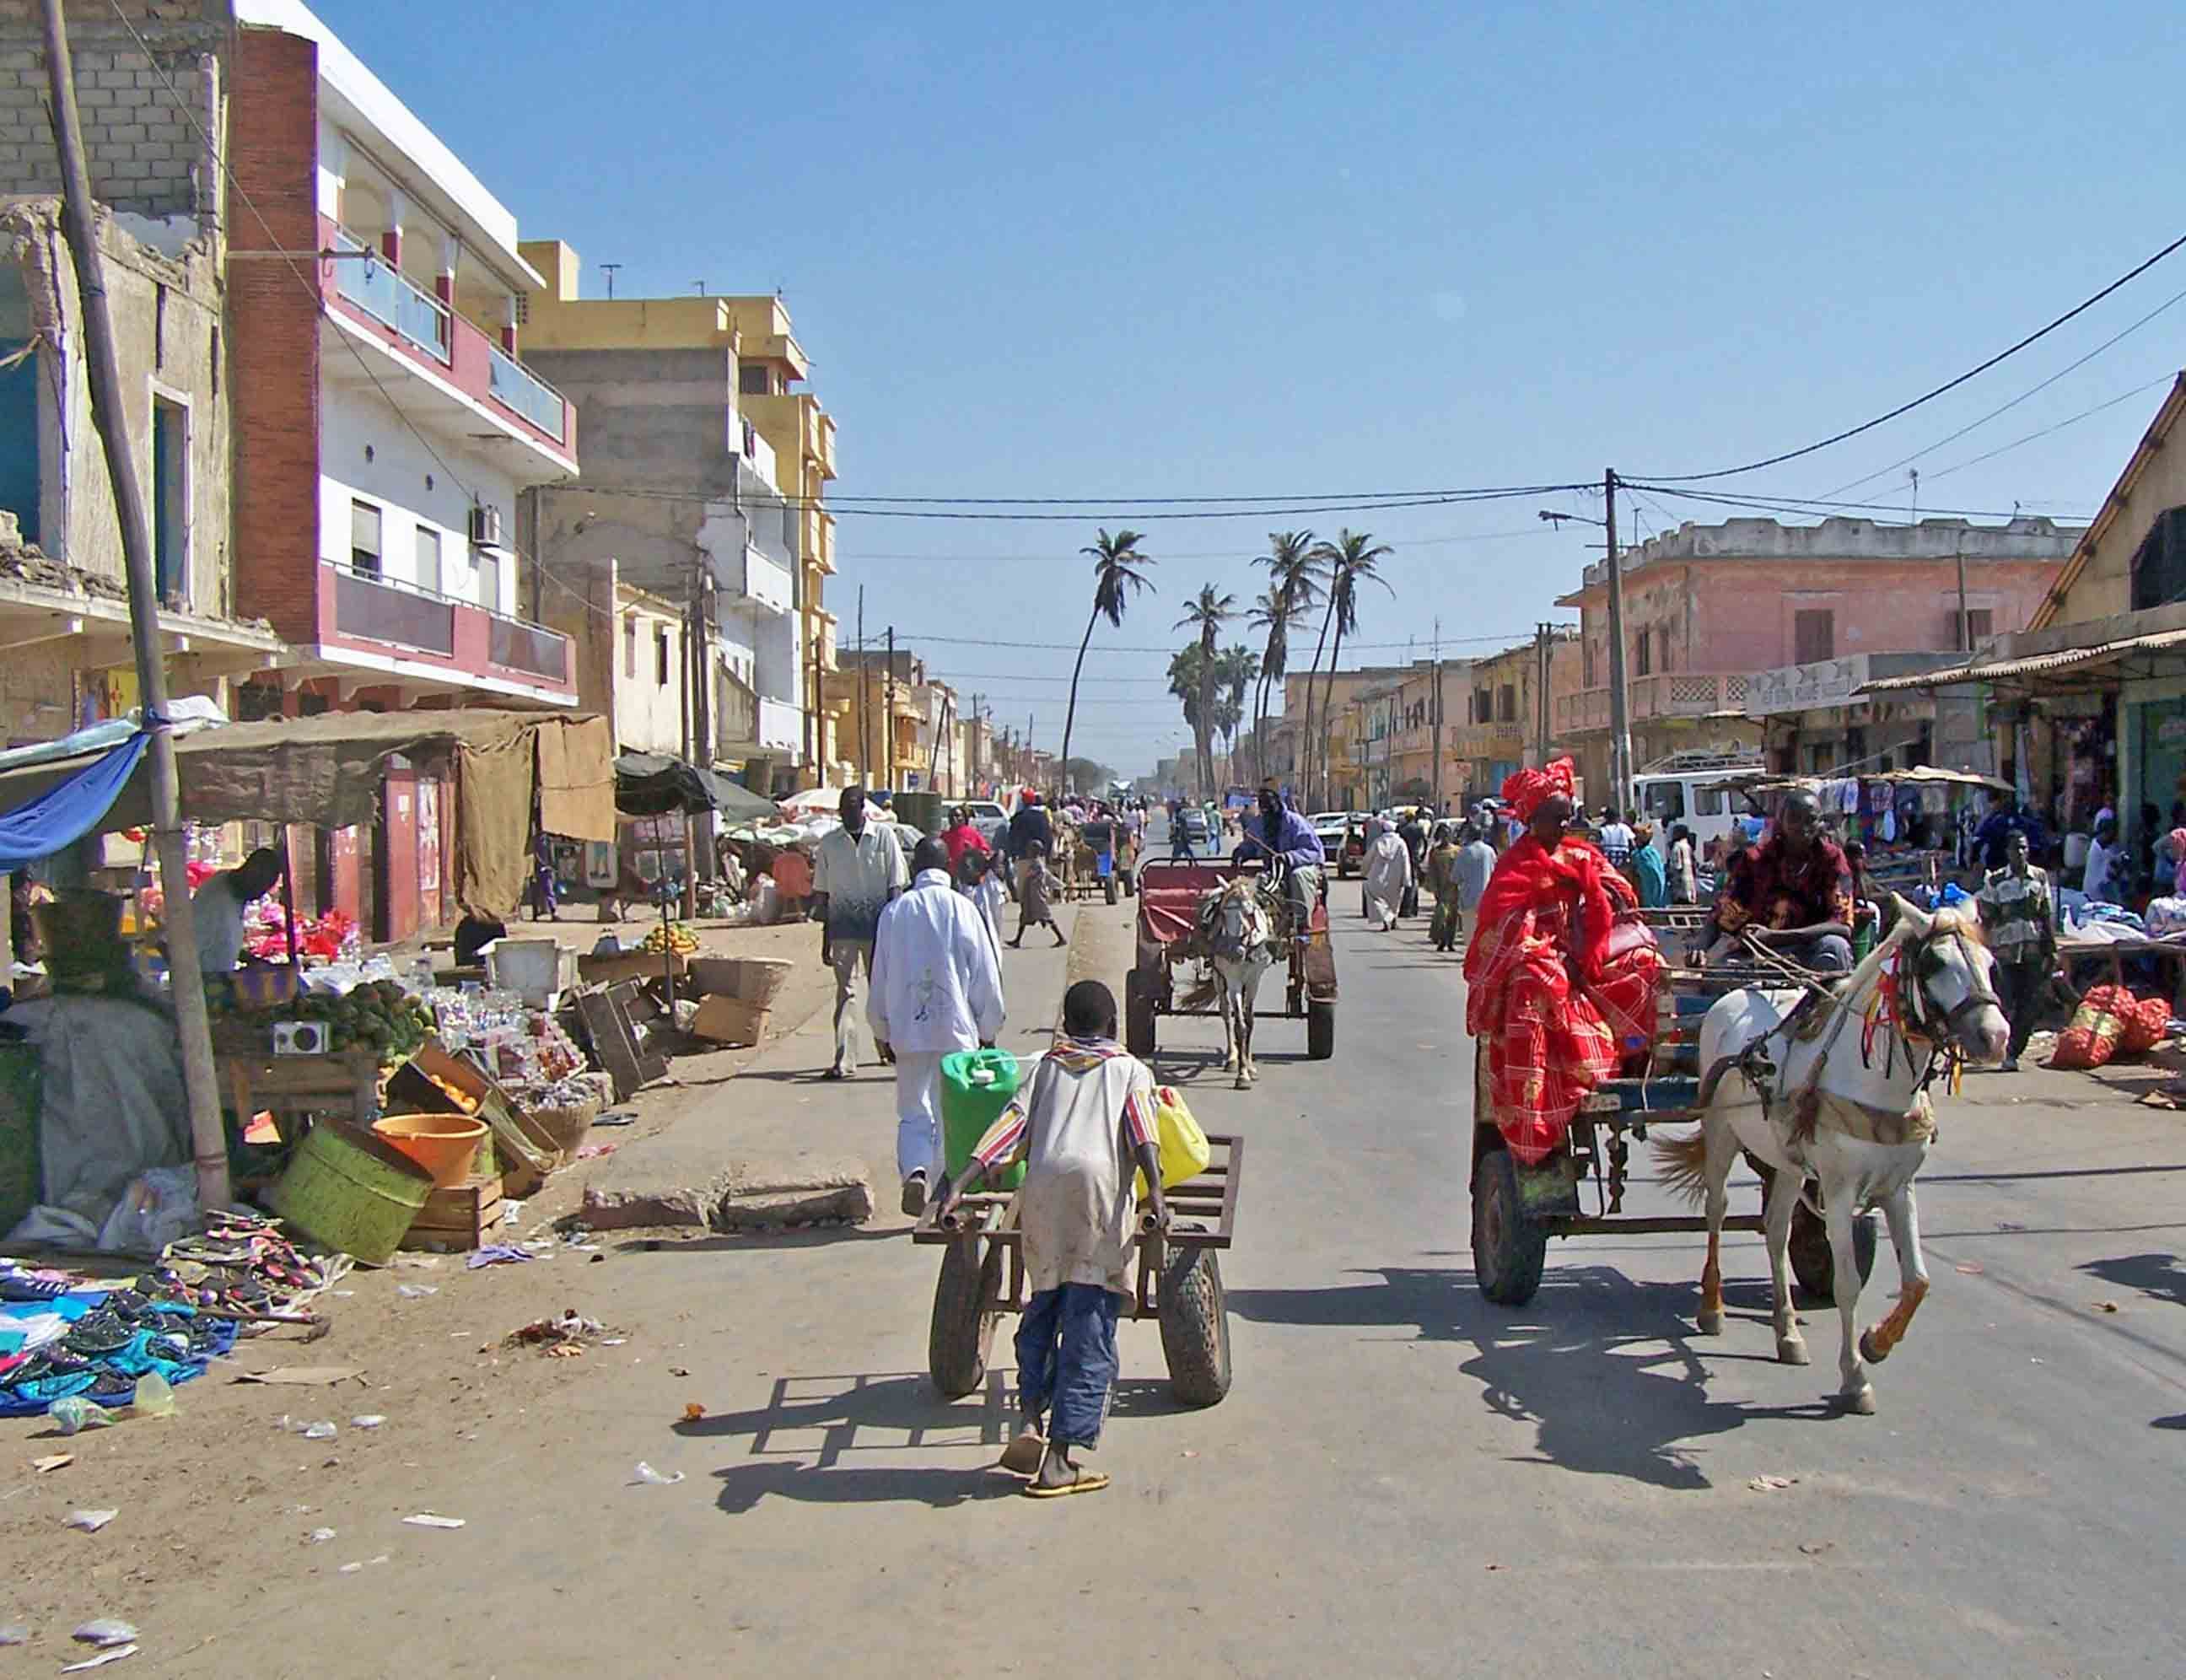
(1807, 508)
(1203, 553)
(1112, 648)
(879, 509)
(1366, 497)
(2070, 420)
(2039, 334)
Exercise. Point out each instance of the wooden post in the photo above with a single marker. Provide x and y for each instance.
(109, 415)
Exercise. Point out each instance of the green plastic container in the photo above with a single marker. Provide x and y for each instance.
(976, 1087)
(349, 1190)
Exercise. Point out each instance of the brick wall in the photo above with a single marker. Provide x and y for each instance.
(274, 340)
(144, 153)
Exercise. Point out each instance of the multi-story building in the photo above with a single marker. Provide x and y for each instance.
(1504, 722)
(383, 419)
(680, 494)
(888, 710)
(1707, 606)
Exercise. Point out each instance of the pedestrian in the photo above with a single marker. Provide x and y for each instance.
(546, 886)
(1476, 859)
(987, 889)
(962, 837)
(2104, 879)
(859, 871)
(1031, 827)
(1388, 873)
(1084, 1125)
(937, 987)
(1442, 882)
(2019, 919)
(1278, 834)
(1682, 870)
(1792, 891)
(1616, 838)
(1646, 872)
(1036, 885)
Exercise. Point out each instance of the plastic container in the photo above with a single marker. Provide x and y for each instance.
(74, 1414)
(976, 1087)
(350, 1191)
(154, 1396)
(446, 1145)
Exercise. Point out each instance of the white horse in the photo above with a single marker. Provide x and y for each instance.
(1843, 1101)
(1236, 936)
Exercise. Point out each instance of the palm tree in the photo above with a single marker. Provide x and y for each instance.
(1235, 671)
(1349, 560)
(1208, 613)
(1184, 671)
(1294, 572)
(1116, 578)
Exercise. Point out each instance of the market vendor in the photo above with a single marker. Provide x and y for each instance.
(217, 908)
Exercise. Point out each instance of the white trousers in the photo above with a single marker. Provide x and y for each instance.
(918, 1114)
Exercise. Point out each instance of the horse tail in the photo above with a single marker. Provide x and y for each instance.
(1683, 1163)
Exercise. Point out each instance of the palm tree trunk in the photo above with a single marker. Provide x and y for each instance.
(1313, 755)
(1070, 713)
(1328, 699)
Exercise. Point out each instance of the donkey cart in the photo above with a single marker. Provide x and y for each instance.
(1170, 894)
(1177, 1281)
(1517, 1208)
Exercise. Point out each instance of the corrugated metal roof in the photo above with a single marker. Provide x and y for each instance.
(1990, 670)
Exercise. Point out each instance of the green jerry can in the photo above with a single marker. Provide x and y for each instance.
(976, 1087)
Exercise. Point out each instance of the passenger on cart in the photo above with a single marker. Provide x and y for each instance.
(1278, 834)
(1793, 892)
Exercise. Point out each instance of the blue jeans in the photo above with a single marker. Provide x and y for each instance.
(1066, 1361)
(1827, 954)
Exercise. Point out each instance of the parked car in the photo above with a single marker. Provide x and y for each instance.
(1329, 827)
(988, 817)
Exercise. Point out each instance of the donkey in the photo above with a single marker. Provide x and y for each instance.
(1236, 936)
(1836, 1090)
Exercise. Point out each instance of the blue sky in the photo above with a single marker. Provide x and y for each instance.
(1214, 250)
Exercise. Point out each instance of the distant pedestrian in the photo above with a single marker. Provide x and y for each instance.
(1036, 888)
(1388, 874)
(1442, 881)
(937, 987)
(987, 871)
(2104, 880)
(1647, 872)
(1616, 838)
(1084, 1124)
(1682, 868)
(859, 872)
(2019, 920)
(546, 886)
(1475, 863)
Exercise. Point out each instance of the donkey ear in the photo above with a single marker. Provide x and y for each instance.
(1912, 914)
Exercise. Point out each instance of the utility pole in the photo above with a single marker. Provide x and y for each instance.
(1544, 654)
(1620, 698)
(1965, 628)
(1434, 706)
(109, 415)
(887, 705)
(934, 762)
(864, 700)
(972, 747)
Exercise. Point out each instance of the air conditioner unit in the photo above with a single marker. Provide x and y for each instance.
(485, 526)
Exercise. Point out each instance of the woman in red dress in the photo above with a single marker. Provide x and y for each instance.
(1558, 1000)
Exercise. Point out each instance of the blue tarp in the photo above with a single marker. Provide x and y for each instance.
(68, 811)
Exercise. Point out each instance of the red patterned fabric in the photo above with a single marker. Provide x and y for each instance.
(1525, 790)
(1552, 1036)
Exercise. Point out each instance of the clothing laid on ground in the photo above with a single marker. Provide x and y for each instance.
(1067, 1360)
(1555, 1024)
(1075, 1123)
(858, 872)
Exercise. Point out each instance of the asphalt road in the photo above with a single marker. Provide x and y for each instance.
(1404, 1479)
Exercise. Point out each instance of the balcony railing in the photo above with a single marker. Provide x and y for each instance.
(381, 292)
(1667, 694)
(518, 389)
(533, 649)
(471, 638)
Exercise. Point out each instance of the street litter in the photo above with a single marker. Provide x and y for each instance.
(593, 1151)
(302, 1376)
(15, 1634)
(101, 1660)
(512, 1212)
(417, 1262)
(646, 1476)
(106, 1630)
(369, 1420)
(1770, 1484)
(615, 1116)
(414, 1291)
(52, 1461)
(497, 1254)
(75, 1413)
(352, 1569)
(91, 1521)
(1972, 1269)
(427, 1520)
(2108, 1306)
(693, 1412)
(320, 1536)
(559, 1337)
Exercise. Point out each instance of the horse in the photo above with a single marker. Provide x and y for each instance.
(1834, 1088)
(1237, 927)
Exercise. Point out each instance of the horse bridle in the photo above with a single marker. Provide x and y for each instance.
(1919, 1018)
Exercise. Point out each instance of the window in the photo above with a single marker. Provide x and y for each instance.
(489, 578)
(752, 379)
(1663, 648)
(1642, 648)
(629, 646)
(2159, 564)
(429, 558)
(1814, 635)
(170, 499)
(1978, 625)
(1483, 707)
(1506, 704)
(1586, 658)
(364, 539)
(1665, 801)
(1708, 802)
(660, 655)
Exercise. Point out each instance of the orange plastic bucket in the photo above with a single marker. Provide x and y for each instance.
(446, 1145)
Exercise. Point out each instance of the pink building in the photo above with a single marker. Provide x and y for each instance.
(1705, 606)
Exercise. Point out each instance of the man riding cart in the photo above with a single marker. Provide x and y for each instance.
(1792, 894)
(1279, 835)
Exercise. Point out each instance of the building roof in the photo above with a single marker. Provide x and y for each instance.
(2114, 506)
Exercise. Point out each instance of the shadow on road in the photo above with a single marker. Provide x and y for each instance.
(1580, 1362)
(2157, 1275)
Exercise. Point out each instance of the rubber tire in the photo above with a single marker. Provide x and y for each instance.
(1510, 1252)
(1319, 1030)
(1194, 1326)
(1138, 1015)
(1131, 883)
(1813, 1263)
(1112, 891)
(961, 1336)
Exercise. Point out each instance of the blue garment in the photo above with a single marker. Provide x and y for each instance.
(1066, 1361)
(68, 810)
(1294, 841)
(1654, 887)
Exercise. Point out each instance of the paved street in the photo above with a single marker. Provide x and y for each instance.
(1405, 1479)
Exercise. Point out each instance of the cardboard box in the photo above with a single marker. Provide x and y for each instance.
(730, 1021)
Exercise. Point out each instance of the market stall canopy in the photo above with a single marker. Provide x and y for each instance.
(2062, 663)
(651, 784)
(327, 771)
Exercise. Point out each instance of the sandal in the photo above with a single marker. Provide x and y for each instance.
(1085, 1482)
(1023, 1456)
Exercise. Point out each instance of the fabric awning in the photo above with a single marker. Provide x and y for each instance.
(2032, 664)
(651, 784)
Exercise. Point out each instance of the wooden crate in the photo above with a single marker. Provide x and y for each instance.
(458, 1220)
(345, 1084)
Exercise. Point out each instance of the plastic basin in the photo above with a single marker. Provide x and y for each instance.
(446, 1145)
(350, 1191)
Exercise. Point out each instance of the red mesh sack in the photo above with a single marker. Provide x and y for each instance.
(2097, 1026)
(2145, 1024)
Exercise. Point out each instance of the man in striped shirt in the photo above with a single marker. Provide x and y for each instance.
(1084, 1124)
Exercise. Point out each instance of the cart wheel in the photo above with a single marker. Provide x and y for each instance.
(1194, 1326)
(963, 1328)
(1814, 1261)
(1112, 890)
(1131, 883)
(1509, 1249)
(1138, 1015)
(1319, 1030)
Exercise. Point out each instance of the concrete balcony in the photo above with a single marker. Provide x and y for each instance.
(780, 725)
(817, 538)
(760, 579)
(1493, 741)
(423, 639)
(1667, 694)
(459, 380)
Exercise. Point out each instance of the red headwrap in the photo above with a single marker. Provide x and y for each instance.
(1527, 790)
